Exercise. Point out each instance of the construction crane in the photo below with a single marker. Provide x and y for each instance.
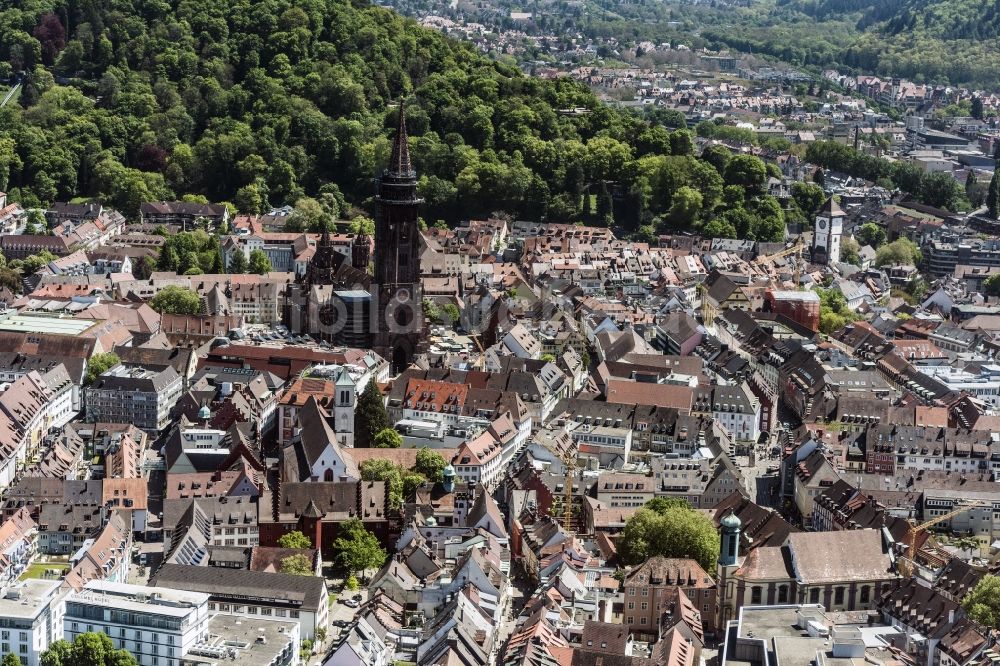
(906, 562)
(481, 361)
(569, 462)
(796, 250)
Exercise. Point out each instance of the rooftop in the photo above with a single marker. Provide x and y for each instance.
(28, 599)
(44, 324)
(248, 641)
(159, 600)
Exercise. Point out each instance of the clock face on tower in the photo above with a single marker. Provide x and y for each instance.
(821, 224)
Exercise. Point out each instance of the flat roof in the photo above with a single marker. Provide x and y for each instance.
(33, 594)
(156, 600)
(45, 324)
(243, 636)
(792, 295)
(352, 294)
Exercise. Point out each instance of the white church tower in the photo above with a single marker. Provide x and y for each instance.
(827, 233)
(345, 400)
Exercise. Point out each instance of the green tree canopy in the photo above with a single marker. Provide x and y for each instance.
(297, 565)
(982, 603)
(993, 196)
(991, 285)
(356, 549)
(375, 469)
(370, 416)
(388, 438)
(87, 649)
(294, 539)
(747, 171)
(259, 263)
(901, 251)
(808, 197)
(100, 363)
(238, 263)
(174, 299)
(430, 463)
(670, 529)
(871, 234)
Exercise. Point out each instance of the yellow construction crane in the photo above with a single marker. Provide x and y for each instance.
(796, 250)
(569, 462)
(906, 562)
(481, 361)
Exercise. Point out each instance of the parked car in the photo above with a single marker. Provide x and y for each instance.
(351, 603)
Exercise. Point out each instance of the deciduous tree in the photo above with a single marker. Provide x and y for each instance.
(356, 549)
(670, 529)
(983, 602)
(294, 539)
(174, 299)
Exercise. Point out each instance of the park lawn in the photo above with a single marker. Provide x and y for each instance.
(38, 569)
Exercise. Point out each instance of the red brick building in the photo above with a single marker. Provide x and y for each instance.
(801, 307)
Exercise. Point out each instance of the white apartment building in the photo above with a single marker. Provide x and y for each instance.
(30, 619)
(985, 385)
(156, 625)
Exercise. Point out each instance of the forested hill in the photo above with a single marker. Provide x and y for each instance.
(261, 102)
(936, 41)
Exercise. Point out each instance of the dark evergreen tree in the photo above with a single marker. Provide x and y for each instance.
(993, 196)
(369, 417)
(238, 263)
(605, 206)
(977, 107)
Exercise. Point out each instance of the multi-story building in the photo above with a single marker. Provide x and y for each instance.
(646, 591)
(301, 599)
(184, 213)
(478, 461)
(736, 408)
(248, 641)
(944, 255)
(801, 307)
(30, 619)
(134, 394)
(219, 521)
(28, 409)
(157, 625)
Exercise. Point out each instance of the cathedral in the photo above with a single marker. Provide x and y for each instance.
(399, 319)
(338, 301)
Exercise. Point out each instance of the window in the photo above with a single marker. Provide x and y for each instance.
(782, 594)
(630, 620)
(755, 595)
(642, 620)
(865, 594)
(814, 595)
(838, 595)
(631, 605)
(631, 591)
(645, 606)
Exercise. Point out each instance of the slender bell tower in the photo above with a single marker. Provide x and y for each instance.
(399, 317)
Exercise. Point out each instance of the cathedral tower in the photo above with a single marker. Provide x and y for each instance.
(397, 257)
